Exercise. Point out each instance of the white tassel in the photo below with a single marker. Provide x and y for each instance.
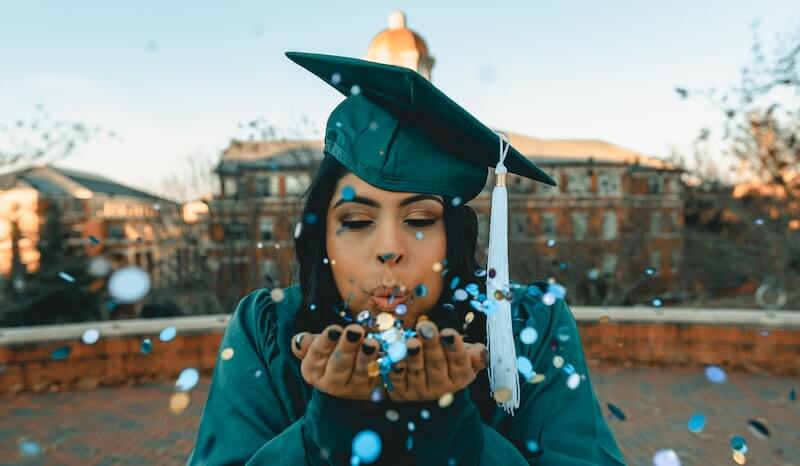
(503, 377)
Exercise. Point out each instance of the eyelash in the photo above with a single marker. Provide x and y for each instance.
(361, 224)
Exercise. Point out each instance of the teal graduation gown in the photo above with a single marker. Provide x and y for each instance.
(260, 411)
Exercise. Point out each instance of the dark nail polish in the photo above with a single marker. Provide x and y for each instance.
(334, 334)
(353, 336)
(413, 351)
(448, 340)
(368, 349)
(298, 341)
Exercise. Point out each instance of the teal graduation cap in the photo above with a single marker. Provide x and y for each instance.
(398, 132)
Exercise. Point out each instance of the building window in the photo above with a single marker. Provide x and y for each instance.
(674, 221)
(579, 181)
(519, 225)
(267, 229)
(655, 184)
(297, 184)
(609, 264)
(236, 231)
(519, 185)
(269, 271)
(655, 261)
(608, 184)
(549, 225)
(675, 263)
(230, 186)
(546, 189)
(263, 186)
(609, 225)
(655, 223)
(116, 231)
(579, 224)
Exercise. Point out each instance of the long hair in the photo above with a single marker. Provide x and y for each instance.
(322, 304)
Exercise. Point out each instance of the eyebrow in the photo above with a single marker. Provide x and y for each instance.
(373, 203)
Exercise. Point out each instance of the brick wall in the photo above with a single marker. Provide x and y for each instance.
(114, 360)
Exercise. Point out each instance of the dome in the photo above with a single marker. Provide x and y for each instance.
(397, 38)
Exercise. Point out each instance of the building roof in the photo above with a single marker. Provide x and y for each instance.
(555, 151)
(54, 180)
(270, 155)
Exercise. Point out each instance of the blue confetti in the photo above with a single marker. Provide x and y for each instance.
(168, 334)
(348, 193)
(738, 443)
(616, 411)
(715, 374)
(66, 277)
(147, 346)
(367, 446)
(697, 423)
(60, 354)
(421, 290)
(454, 283)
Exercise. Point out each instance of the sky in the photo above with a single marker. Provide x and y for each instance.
(174, 79)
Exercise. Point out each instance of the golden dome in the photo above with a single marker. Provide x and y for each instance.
(397, 38)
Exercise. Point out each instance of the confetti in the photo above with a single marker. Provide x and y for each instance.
(454, 283)
(178, 402)
(91, 336)
(549, 299)
(367, 446)
(715, 374)
(525, 367)
(739, 457)
(187, 379)
(94, 239)
(558, 362)
(277, 295)
(348, 193)
(298, 230)
(532, 446)
(355, 90)
(29, 448)
(372, 369)
(385, 321)
(227, 354)
(604, 319)
(310, 218)
(758, 428)
(425, 414)
(697, 423)
(666, 458)
(401, 309)
(528, 335)
(59, 354)
(551, 243)
(649, 271)
(419, 235)
(66, 277)
(392, 415)
(129, 284)
(616, 411)
(445, 400)
(502, 395)
(656, 302)
(538, 378)
(421, 290)
(336, 78)
(563, 334)
(573, 381)
(146, 346)
(168, 334)
(738, 443)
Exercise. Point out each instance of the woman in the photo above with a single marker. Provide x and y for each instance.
(386, 235)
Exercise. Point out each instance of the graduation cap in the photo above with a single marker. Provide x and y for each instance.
(397, 131)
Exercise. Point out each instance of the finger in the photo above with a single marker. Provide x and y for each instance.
(343, 357)
(313, 366)
(416, 380)
(367, 354)
(478, 356)
(399, 382)
(459, 368)
(435, 360)
(300, 344)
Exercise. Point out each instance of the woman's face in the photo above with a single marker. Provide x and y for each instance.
(385, 248)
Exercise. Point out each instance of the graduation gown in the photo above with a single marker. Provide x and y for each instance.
(260, 411)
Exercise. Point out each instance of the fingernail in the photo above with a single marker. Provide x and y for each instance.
(398, 369)
(298, 341)
(334, 334)
(426, 330)
(448, 340)
(413, 351)
(368, 349)
(353, 336)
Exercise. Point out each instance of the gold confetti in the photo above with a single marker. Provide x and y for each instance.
(445, 400)
(437, 267)
(178, 402)
(227, 354)
(385, 321)
(469, 317)
(277, 295)
(422, 318)
(372, 369)
(502, 394)
(558, 361)
(538, 378)
(604, 319)
(739, 457)
(333, 262)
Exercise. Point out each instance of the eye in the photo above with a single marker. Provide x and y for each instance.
(421, 223)
(356, 225)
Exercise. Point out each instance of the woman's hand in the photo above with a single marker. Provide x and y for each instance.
(336, 361)
(436, 364)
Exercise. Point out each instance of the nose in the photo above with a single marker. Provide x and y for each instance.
(389, 246)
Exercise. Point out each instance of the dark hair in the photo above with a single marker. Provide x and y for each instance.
(317, 285)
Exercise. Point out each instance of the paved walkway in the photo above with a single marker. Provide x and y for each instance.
(134, 425)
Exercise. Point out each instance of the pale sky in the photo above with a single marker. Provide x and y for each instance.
(175, 78)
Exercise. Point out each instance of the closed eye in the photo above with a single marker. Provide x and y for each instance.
(356, 225)
(421, 223)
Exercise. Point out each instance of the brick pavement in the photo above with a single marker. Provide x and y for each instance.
(133, 424)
